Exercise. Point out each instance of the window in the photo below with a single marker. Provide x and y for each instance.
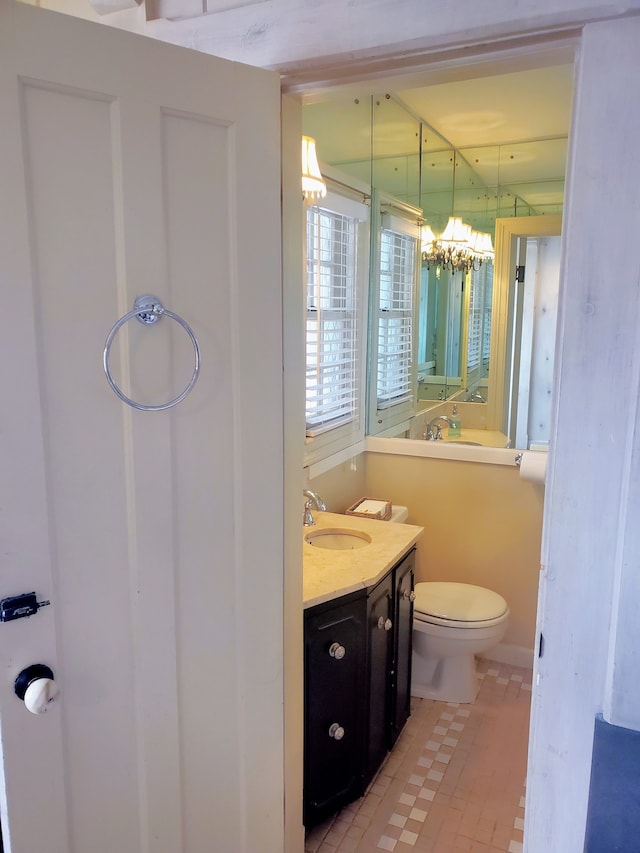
(393, 336)
(395, 318)
(486, 320)
(480, 284)
(335, 295)
(474, 329)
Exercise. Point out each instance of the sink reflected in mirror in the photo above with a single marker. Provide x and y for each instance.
(457, 441)
(338, 539)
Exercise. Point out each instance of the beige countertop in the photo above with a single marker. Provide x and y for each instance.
(328, 574)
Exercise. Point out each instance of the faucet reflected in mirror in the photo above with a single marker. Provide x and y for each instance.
(433, 431)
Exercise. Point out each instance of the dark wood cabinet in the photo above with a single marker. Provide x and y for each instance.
(357, 688)
(403, 622)
(335, 690)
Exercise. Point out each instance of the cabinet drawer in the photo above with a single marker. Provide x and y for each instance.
(335, 672)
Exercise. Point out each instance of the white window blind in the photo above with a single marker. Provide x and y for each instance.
(486, 322)
(332, 327)
(395, 317)
(474, 330)
(479, 324)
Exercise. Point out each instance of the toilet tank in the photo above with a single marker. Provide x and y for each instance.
(399, 513)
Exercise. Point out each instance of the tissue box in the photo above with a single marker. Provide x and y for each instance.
(371, 508)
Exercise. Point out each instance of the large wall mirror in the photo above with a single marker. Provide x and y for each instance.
(485, 149)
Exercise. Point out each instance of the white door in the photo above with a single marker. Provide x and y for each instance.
(131, 167)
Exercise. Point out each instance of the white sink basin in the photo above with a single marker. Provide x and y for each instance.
(338, 539)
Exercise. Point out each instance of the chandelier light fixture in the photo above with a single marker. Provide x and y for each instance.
(457, 248)
(313, 185)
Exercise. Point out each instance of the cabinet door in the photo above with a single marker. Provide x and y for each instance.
(403, 624)
(380, 632)
(335, 671)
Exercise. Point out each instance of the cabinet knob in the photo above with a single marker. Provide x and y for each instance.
(337, 651)
(410, 595)
(336, 731)
(385, 624)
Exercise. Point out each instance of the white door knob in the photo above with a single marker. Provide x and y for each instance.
(35, 685)
(336, 731)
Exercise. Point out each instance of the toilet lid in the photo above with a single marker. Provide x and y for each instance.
(458, 602)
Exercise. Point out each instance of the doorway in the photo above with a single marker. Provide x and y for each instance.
(508, 390)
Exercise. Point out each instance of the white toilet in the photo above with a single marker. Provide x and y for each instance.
(453, 622)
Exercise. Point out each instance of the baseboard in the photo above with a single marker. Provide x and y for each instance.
(510, 654)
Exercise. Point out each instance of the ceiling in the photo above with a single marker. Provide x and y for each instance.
(509, 131)
(494, 110)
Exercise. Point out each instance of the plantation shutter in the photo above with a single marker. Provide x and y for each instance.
(479, 323)
(474, 329)
(395, 315)
(332, 332)
(486, 322)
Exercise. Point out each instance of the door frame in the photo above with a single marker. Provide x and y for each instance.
(508, 231)
(396, 60)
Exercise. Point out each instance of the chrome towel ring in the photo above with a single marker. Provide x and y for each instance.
(148, 310)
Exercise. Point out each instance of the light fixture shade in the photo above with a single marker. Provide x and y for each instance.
(427, 238)
(313, 186)
(485, 246)
(474, 240)
(456, 232)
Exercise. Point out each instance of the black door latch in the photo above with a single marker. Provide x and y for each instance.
(18, 606)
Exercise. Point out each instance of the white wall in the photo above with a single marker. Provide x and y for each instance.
(294, 36)
(587, 550)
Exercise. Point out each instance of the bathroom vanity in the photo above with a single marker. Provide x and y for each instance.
(357, 658)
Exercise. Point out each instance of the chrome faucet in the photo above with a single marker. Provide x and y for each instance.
(315, 501)
(433, 431)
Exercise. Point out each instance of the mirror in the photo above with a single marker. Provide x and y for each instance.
(440, 333)
(508, 162)
(523, 343)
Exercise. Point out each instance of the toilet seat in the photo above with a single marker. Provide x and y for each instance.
(458, 605)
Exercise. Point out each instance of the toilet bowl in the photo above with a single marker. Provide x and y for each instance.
(453, 622)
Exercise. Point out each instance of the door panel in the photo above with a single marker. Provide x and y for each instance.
(89, 561)
(130, 169)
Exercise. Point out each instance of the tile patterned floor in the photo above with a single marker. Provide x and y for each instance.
(454, 781)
